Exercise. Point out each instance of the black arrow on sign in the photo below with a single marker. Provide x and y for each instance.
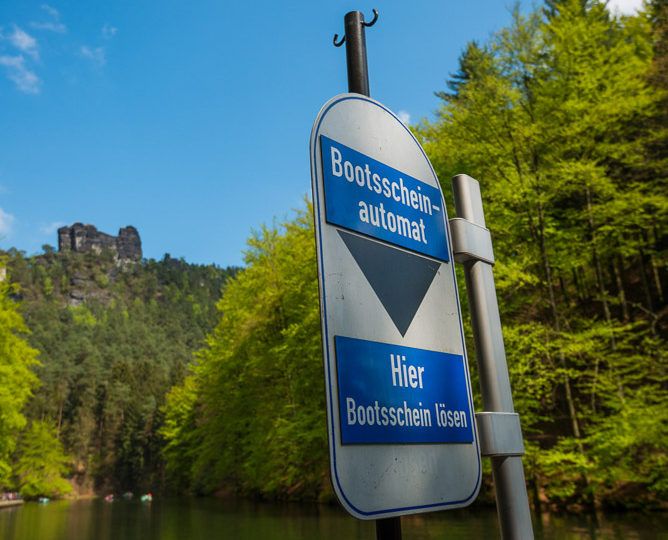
(399, 279)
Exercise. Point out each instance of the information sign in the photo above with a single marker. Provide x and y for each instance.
(400, 414)
(367, 196)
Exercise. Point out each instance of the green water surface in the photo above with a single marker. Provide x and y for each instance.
(208, 519)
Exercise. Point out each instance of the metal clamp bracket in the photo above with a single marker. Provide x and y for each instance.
(500, 434)
(471, 241)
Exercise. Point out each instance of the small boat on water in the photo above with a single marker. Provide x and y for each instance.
(44, 500)
(147, 497)
(109, 498)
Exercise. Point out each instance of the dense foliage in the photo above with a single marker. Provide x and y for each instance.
(42, 463)
(252, 415)
(16, 378)
(112, 340)
(560, 118)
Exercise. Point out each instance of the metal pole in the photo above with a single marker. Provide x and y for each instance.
(358, 72)
(388, 529)
(355, 40)
(358, 82)
(512, 502)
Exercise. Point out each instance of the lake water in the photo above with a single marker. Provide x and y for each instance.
(206, 519)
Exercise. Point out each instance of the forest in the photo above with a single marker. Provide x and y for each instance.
(99, 347)
(202, 380)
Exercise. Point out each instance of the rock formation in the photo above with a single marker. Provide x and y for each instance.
(83, 238)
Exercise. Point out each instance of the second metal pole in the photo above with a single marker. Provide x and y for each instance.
(512, 503)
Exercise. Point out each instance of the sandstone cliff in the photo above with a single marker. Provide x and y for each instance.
(83, 238)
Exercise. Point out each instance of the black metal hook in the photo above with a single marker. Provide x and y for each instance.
(367, 24)
(375, 18)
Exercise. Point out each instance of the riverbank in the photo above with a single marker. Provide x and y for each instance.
(14, 502)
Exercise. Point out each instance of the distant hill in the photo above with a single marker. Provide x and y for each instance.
(114, 332)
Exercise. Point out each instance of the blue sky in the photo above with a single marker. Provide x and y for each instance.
(191, 120)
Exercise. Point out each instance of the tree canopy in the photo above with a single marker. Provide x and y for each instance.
(17, 381)
(558, 119)
(252, 416)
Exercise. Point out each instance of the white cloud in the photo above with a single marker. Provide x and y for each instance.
(6, 223)
(624, 7)
(51, 11)
(24, 42)
(404, 116)
(51, 227)
(55, 25)
(25, 80)
(96, 55)
(109, 31)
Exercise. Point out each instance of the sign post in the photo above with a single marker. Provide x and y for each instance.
(400, 420)
(392, 345)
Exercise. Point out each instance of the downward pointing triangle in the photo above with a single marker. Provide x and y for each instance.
(399, 279)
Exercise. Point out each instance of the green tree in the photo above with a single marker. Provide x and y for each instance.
(41, 463)
(252, 414)
(16, 378)
(555, 116)
(181, 433)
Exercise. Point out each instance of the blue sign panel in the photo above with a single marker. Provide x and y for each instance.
(369, 197)
(395, 394)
